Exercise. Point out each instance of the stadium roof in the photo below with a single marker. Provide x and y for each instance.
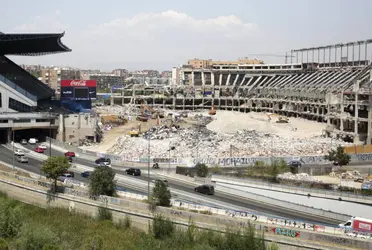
(32, 44)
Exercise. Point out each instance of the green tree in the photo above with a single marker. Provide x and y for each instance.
(101, 181)
(338, 156)
(3, 244)
(10, 219)
(201, 170)
(54, 167)
(161, 195)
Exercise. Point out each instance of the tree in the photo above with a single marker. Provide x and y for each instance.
(101, 181)
(54, 167)
(201, 170)
(161, 195)
(338, 156)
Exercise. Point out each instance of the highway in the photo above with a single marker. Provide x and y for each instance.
(249, 206)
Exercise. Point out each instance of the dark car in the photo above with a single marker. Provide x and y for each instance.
(205, 189)
(85, 174)
(70, 173)
(101, 161)
(133, 171)
(69, 158)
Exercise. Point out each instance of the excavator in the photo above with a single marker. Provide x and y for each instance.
(212, 111)
(135, 132)
(143, 117)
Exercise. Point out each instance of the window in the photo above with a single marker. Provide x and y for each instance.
(18, 106)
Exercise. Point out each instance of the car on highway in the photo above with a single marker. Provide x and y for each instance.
(103, 160)
(85, 174)
(19, 152)
(33, 141)
(120, 189)
(22, 159)
(68, 174)
(205, 189)
(24, 142)
(133, 171)
(70, 153)
(39, 150)
(164, 181)
(43, 146)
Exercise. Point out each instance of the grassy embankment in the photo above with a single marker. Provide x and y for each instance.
(31, 228)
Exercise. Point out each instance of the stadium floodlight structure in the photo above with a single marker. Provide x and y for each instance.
(333, 50)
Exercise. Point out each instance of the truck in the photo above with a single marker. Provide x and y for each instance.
(357, 224)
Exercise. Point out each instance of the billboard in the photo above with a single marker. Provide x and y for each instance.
(78, 89)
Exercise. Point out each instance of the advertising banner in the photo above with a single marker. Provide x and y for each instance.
(78, 90)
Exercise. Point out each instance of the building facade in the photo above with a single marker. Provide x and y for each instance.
(53, 76)
(202, 63)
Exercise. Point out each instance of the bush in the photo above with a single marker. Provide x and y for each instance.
(125, 223)
(104, 214)
(161, 195)
(101, 181)
(10, 219)
(94, 243)
(161, 227)
(201, 170)
(35, 237)
(3, 244)
(51, 247)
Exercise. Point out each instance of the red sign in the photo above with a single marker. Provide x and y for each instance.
(362, 225)
(78, 83)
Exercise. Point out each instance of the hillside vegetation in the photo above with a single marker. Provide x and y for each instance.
(27, 227)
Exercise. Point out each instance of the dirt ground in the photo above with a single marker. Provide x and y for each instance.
(109, 138)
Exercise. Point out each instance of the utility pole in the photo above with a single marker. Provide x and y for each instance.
(50, 132)
(148, 169)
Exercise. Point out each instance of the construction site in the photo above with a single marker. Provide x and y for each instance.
(320, 100)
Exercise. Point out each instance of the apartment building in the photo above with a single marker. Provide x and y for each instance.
(53, 76)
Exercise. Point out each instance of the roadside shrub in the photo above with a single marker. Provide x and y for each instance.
(125, 223)
(3, 244)
(104, 214)
(35, 237)
(10, 218)
(51, 247)
(94, 243)
(201, 170)
(162, 227)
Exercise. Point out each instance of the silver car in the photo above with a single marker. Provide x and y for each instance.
(22, 159)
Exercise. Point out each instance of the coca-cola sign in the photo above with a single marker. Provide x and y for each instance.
(78, 83)
(81, 83)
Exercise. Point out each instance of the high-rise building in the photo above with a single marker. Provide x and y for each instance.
(53, 76)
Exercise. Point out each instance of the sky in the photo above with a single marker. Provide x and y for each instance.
(161, 34)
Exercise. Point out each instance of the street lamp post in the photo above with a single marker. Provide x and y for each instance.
(148, 168)
(13, 139)
(50, 132)
(169, 156)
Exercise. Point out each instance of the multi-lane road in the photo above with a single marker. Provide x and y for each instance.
(34, 165)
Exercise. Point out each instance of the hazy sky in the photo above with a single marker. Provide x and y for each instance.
(160, 34)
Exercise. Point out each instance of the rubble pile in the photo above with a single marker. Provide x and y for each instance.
(198, 141)
(303, 177)
(127, 109)
(348, 175)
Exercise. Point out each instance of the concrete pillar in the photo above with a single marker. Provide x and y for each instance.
(228, 80)
(220, 80)
(203, 78)
(342, 112)
(369, 136)
(212, 79)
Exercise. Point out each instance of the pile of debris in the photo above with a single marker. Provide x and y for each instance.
(303, 177)
(348, 175)
(198, 141)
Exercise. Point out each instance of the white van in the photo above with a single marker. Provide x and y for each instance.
(32, 141)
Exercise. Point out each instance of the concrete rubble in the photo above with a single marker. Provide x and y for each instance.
(303, 177)
(198, 141)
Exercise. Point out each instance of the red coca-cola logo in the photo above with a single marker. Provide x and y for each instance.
(78, 83)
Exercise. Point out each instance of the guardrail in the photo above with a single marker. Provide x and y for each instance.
(294, 189)
(301, 209)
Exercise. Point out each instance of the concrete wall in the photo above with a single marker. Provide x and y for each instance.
(7, 92)
(76, 126)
